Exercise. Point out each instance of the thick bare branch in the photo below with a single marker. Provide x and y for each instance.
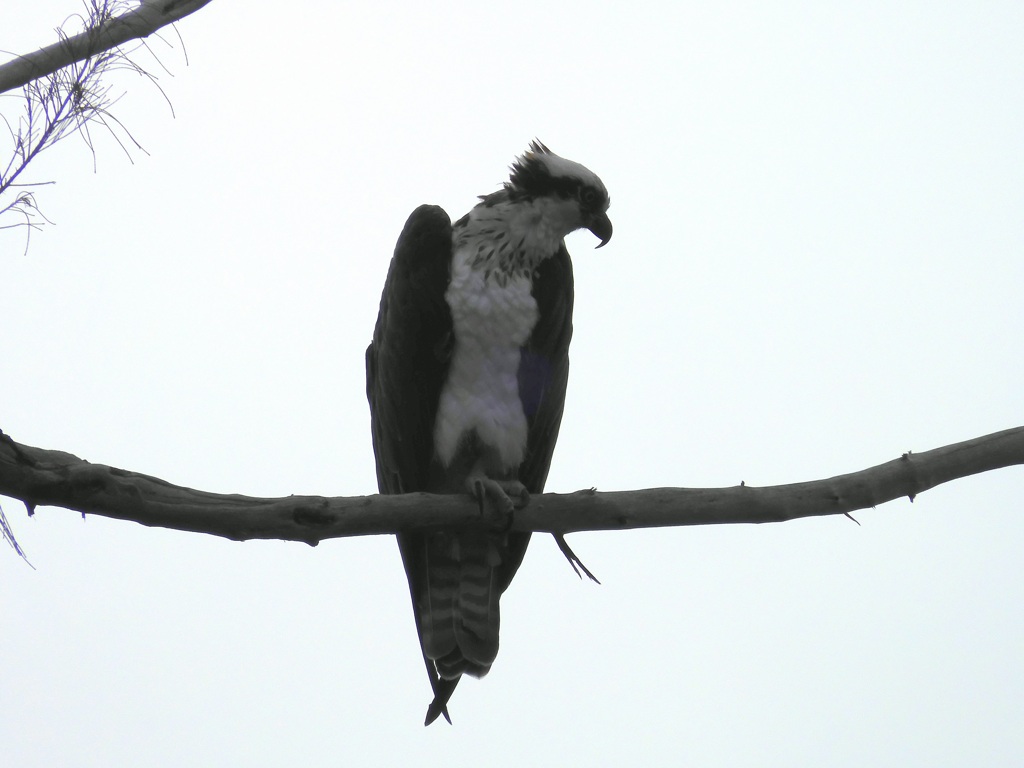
(54, 478)
(141, 22)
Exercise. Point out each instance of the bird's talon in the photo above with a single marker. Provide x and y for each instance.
(505, 496)
(478, 492)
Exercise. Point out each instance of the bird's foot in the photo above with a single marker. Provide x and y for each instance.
(498, 498)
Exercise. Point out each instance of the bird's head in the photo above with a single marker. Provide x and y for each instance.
(572, 196)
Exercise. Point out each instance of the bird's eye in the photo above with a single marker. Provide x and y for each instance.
(588, 196)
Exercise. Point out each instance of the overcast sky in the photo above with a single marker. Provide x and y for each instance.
(817, 265)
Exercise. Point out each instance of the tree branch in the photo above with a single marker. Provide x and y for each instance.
(42, 477)
(149, 17)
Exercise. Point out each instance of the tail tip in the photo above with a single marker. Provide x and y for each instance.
(435, 710)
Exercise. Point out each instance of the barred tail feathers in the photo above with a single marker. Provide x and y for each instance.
(436, 609)
(459, 619)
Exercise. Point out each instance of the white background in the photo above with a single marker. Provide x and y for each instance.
(817, 265)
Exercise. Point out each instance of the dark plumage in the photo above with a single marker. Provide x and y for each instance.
(424, 362)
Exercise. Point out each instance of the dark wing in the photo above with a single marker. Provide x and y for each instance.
(406, 366)
(544, 369)
(407, 361)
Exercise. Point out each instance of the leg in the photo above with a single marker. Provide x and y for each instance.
(496, 496)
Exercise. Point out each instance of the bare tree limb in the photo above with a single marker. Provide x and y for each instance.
(42, 477)
(149, 17)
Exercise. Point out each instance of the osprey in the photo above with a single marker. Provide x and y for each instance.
(466, 378)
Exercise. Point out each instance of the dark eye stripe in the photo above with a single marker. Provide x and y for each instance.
(532, 179)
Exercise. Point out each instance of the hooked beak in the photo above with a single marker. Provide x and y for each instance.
(601, 226)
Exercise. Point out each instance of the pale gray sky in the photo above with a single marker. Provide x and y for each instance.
(817, 265)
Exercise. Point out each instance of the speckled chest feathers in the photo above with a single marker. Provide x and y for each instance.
(496, 250)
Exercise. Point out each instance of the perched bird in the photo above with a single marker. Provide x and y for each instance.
(466, 378)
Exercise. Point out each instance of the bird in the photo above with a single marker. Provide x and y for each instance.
(466, 379)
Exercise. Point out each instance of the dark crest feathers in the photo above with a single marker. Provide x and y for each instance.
(530, 177)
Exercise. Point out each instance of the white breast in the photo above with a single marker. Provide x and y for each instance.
(492, 320)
